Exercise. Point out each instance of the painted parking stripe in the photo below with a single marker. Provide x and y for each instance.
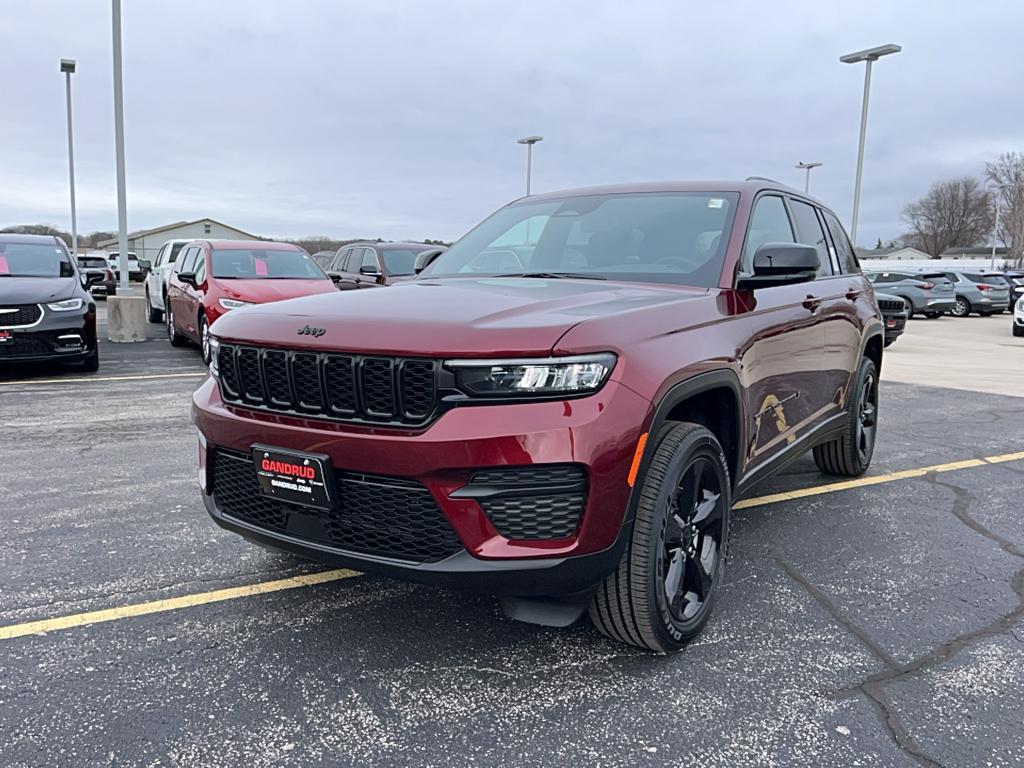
(219, 595)
(82, 379)
(172, 604)
(861, 482)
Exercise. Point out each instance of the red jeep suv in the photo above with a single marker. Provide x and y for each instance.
(561, 409)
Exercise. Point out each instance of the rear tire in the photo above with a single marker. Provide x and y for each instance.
(176, 339)
(910, 307)
(663, 590)
(850, 455)
(962, 308)
(155, 315)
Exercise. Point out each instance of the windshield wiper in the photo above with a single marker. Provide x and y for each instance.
(556, 275)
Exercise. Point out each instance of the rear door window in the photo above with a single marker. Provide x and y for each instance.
(994, 280)
(809, 232)
(844, 251)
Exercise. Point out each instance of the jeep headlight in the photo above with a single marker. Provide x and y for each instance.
(553, 376)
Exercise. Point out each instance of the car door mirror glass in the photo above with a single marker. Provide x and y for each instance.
(188, 278)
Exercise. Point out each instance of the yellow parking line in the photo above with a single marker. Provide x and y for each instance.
(171, 604)
(233, 593)
(80, 379)
(817, 490)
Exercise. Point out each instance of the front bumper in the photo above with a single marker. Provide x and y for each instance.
(62, 336)
(598, 433)
(894, 326)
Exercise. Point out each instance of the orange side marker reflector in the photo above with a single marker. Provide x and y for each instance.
(636, 459)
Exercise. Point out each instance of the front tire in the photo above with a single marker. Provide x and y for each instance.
(91, 362)
(933, 315)
(1018, 330)
(850, 455)
(204, 338)
(663, 591)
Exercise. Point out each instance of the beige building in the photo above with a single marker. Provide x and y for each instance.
(147, 242)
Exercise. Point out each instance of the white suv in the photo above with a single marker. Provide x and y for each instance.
(1018, 317)
(156, 280)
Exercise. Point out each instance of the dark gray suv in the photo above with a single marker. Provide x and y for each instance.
(927, 293)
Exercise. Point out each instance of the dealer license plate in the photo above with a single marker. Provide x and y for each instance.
(294, 477)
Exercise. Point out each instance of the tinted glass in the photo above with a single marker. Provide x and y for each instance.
(92, 262)
(844, 251)
(188, 261)
(809, 232)
(160, 256)
(341, 259)
(769, 223)
(200, 270)
(264, 264)
(369, 259)
(175, 250)
(399, 261)
(995, 280)
(675, 238)
(34, 260)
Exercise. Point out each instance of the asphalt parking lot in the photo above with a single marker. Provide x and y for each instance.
(869, 623)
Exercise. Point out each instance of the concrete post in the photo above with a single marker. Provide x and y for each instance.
(126, 318)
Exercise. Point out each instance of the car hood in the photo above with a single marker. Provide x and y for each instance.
(476, 317)
(36, 290)
(263, 290)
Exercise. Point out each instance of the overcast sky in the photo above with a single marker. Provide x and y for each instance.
(399, 119)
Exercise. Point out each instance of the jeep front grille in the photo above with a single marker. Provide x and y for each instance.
(341, 387)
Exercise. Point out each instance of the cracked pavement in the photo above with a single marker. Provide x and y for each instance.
(875, 626)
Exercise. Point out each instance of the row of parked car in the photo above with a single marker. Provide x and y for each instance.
(931, 293)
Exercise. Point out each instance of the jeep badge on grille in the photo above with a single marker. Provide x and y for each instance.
(307, 331)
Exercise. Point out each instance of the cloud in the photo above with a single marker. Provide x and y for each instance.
(400, 118)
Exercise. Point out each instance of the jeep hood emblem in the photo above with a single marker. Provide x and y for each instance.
(308, 331)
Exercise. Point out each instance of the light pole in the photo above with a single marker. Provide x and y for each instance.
(995, 227)
(869, 56)
(122, 205)
(807, 179)
(67, 66)
(529, 141)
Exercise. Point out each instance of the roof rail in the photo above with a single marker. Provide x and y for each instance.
(763, 178)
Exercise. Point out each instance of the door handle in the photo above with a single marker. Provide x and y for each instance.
(853, 294)
(811, 303)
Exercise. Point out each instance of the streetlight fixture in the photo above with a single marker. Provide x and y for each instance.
(122, 205)
(807, 179)
(67, 66)
(529, 141)
(869, 56)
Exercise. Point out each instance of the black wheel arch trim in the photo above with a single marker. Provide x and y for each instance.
(684, 390)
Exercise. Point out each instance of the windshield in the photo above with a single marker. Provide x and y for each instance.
(34, 260)
(399, 261)
(91, 262)
(255, 264)
(677, 237)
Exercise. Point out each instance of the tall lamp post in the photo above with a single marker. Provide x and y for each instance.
(869, 56)
(529, 141)
(995, 227)
(807, 179)
(67, 66)
(122, 205)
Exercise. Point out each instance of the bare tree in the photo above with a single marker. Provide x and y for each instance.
(957, 212)
(1007, 175)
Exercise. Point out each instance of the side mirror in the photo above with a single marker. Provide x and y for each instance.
(335, 276)
(145, 265)
(425, 258)
(781, 264)
(188, 278)
(369, 269)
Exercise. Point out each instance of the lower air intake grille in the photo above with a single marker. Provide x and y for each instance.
(377, 515)
(543, 501)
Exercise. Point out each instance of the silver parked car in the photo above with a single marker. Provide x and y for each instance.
(926, 293)
(984, 293)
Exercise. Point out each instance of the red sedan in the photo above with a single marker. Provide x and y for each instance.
(212, 277)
